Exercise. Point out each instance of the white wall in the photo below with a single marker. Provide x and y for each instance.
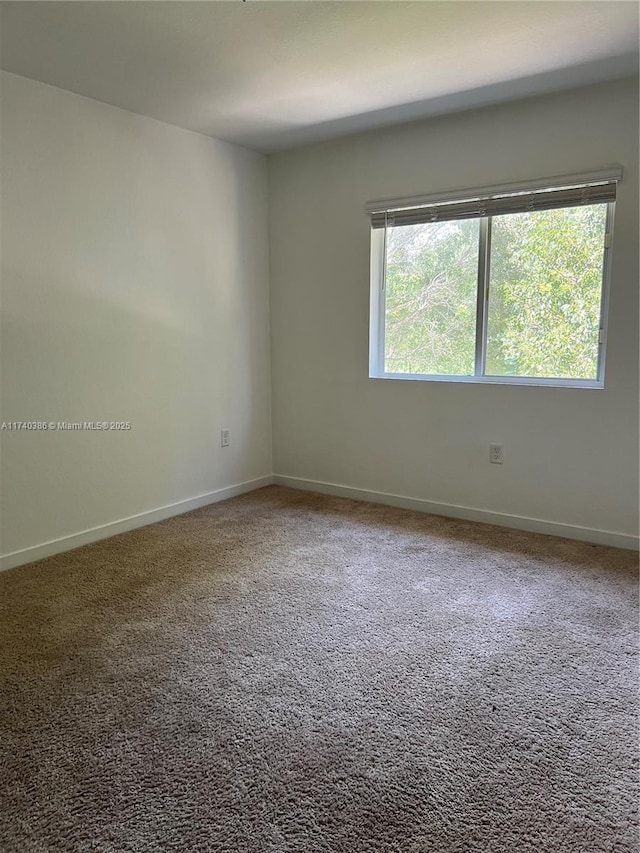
(134, 288)
(571, 455)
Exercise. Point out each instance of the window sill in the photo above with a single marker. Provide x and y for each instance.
(591, 384)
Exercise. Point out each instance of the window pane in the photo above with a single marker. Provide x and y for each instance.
(545, 291)
(431, 284)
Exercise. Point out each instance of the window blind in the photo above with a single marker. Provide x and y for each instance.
(599, 189)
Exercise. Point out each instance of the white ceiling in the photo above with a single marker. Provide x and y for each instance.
(271, 75)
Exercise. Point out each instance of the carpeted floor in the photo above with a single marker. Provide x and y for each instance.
(292, 673)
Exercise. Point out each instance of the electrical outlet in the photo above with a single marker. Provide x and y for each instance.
(225, 437)
(495, 454)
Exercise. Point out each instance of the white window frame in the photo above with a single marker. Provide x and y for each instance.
(378, 291)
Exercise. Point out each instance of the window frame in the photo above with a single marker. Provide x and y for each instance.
(377, 313)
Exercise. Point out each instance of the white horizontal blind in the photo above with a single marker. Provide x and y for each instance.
(570, 191)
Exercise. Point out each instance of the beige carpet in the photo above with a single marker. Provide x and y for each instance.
(291, 673)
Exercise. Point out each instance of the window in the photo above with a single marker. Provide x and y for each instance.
(495, 285)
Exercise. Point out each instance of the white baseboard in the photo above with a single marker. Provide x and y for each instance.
(519, 522)
(142, 519)
(103, 531)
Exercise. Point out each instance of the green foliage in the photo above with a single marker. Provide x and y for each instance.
(431, 298)
(545, 288)
(544, 306)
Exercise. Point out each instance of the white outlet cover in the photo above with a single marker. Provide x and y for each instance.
(496, 454)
